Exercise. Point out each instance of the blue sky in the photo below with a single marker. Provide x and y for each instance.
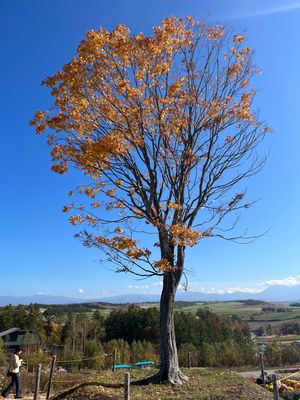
(38, 251)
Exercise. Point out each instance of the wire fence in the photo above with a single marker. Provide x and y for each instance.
(83, 359)
(74, 383)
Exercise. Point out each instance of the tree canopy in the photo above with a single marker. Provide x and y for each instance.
(163, 126)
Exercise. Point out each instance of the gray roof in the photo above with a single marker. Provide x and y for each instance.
(19, 337)
(8, 331)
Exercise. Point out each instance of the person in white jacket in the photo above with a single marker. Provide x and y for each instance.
(14, 372)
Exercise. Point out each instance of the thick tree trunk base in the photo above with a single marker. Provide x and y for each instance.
(164, 377)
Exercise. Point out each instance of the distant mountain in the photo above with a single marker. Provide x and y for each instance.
(273, 293)
(37, 298)
(280, 293)
(196, 296)
(181, 296)
(130, 298)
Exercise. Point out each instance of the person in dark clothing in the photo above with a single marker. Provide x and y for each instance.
(14, 372)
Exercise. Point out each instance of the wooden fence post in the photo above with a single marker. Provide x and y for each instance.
(189, 359)
(127, 386)
(37, 381)
(114, 360)
(50, 377)
(73, 338)
(262, 368)
(275, 387)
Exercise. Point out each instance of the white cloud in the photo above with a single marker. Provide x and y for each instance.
(212, 290)
(81, 291)
(242, 290)
(158, 284)
(290, 281)
(138, 286)
(225, 290)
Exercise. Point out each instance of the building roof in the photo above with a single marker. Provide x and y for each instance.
(8, 331)
(17, 337)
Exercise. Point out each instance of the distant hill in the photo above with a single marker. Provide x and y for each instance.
(281, 293)
(181, 296)
(37, 298)
(273, 293)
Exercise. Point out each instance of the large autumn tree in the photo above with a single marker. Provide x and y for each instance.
(163, 129)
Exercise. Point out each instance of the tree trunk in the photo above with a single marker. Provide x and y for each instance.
(169, 371)
(169, 367)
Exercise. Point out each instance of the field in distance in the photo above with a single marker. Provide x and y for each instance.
(243, 309)
(248, 310)
(253, 311)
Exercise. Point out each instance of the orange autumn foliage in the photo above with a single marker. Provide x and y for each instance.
(153, 123)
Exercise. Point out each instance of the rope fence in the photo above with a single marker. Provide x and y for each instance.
(288, 376)
(50, 367)
(83, 359)
(73, 383)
